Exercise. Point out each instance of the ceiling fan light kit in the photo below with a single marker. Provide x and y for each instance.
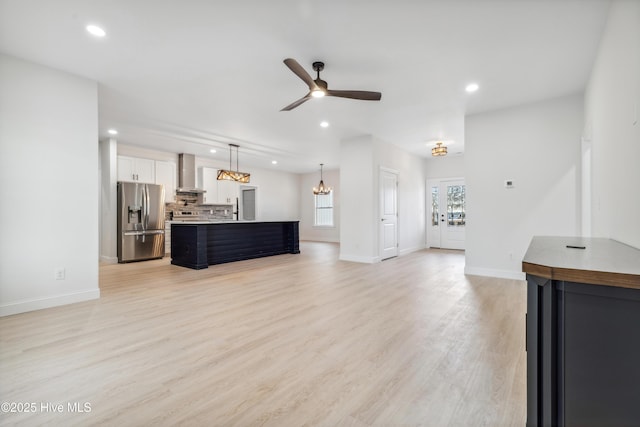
(230, 174)
(319, 88)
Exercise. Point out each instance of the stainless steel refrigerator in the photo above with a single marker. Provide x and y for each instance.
(140, 221)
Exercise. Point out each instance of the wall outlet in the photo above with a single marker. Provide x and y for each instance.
(58, 274)
(508, 183)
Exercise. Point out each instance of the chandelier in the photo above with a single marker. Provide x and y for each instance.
(233, 175)
(439, 150)
(321, 189)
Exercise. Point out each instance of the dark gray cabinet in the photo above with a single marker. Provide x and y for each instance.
(197, 245)
(583, 333)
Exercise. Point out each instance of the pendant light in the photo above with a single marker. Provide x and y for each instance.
(439, 149)
(321, 189)
(233, 175)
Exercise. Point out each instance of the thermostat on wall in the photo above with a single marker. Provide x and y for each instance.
(508, 183)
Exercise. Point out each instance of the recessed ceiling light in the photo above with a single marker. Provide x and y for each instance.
(212, 151)
(472, 87)
(274, 162)
(112, 132)
(324, 124)
(96, 31)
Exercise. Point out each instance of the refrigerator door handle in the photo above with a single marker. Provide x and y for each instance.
(146, 206)
(142, 233)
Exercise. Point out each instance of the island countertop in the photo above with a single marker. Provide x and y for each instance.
(602, 261)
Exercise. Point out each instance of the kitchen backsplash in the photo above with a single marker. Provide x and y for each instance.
(189, 206)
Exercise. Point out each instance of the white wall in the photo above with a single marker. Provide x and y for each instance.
(444, 167)
(538, 147)
(307, 229)
(108, 175)
(612, 110)
(49, 171)
(358, 237)
(360, 162)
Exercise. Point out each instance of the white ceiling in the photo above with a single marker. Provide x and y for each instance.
(187, 76)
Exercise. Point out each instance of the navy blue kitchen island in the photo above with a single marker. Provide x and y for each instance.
(198, 245)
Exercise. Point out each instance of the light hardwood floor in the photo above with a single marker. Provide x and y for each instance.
(290, 340)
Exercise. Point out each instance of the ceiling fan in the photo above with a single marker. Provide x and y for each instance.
(318, 87)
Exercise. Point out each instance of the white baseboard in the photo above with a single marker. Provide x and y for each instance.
(359, 258)
(108, 259)
(374, 259)
(320, 239)
(409, 250)
(38, 304)
(490, 272)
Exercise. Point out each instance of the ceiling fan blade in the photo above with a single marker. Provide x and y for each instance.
(300, 72)
(296, 103)
(356, 94)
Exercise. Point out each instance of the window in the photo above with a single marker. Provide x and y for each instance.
(434, 206)
(456, 210)
(324, 210)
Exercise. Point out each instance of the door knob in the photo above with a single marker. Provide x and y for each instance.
(382, 219)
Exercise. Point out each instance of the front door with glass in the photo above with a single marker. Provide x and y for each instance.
(446, 214)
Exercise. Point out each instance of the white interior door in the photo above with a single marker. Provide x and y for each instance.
(446, 213)
(388, 234)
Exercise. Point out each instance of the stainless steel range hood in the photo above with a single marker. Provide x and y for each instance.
(187, 174)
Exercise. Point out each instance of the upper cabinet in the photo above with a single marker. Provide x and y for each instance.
(133, 169)
(147, 171)
(216, 192)
(166, 175)
(207, 181)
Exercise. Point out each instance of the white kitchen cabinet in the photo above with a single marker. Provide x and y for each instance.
(207, 181)
(227, 192)
(166, 175)
(217, 192)
(134, 169)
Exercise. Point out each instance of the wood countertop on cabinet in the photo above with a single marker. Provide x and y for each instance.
(603, 261)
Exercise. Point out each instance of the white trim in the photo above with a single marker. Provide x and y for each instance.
(320, 239)
(108, 259)
(460, 178)
(410, 250)
(491, 272)
(38, 304)
(359, 258)
(386, 169)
